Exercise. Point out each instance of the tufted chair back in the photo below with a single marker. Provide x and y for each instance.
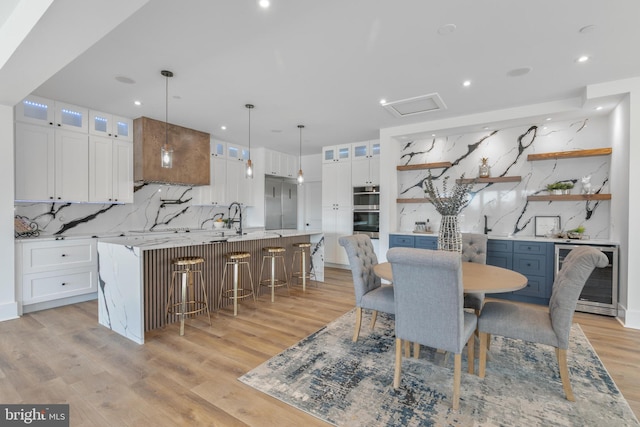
(362, 258)
(474, 248)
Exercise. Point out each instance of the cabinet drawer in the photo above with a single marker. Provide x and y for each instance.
(58, 255)
(41, 287)
(530, 264)
(499, 259)
(530, 248)
(396, 240)
(535, 287)
(424, 242)
(499, 246)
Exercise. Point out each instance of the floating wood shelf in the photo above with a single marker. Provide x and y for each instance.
(487, 180)
(570, 154)
(421, 200)
(568, 197)
(424, 166)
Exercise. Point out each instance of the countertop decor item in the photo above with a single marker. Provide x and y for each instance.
(484, 168)
(449, 204)
(24, 227)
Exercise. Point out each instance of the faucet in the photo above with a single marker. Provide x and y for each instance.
(486, 229)
(231, 219)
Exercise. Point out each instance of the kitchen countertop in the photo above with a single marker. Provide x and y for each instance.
(526, 238)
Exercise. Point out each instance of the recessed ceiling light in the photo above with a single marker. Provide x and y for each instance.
(223, 127)
(137, 103)
(599, 107)
(544, 127)
(517, 72)
(548, 119)
(447, 29)
(583, 58)
(264, 4)
(466, 83)
(383, 101)
(587, 29)
(125, 79)
(433, 134)
(486, 128)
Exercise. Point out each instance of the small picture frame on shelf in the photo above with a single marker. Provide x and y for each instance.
(546, 225)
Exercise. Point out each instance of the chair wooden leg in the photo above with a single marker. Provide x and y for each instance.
(407, 348)
(564, 373)
(457, 373)
(398, 369)
(416, 350)
(374, 316)
(471, 346)
(484, 337)
(356, 333)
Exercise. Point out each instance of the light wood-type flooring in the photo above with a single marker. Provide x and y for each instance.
(62, 355)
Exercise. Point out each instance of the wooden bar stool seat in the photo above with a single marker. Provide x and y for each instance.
(186, 268)
(272, 254)
(302, 273)
(237, 292)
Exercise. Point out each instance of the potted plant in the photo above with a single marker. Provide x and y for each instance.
(561, 187)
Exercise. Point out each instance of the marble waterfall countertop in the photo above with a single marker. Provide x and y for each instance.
(161, 240)
(526, 238)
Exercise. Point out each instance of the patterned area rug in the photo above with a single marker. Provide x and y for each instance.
(350, 384)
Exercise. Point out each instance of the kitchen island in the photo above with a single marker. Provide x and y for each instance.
(134, 272)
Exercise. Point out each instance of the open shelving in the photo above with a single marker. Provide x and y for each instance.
(422, 166)
(570, 154)
(568, 197)
(490, 179)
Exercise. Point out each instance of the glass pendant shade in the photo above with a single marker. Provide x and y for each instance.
(166, 158)
(249, 170)
(166, 152)
(300, 177)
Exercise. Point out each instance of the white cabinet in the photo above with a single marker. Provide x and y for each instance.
(238, 187)
(237, 152)
(46, 112)
(336, 184)
(51, 165)
(336, 153)
(337, 221)
(213, 194)
(110, 170)
(53, 272)
(365, 163)
(104, 124)
(280, 164)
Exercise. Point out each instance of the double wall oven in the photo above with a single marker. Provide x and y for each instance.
(366, 211)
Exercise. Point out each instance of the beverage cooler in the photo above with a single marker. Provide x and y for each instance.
(600, 292)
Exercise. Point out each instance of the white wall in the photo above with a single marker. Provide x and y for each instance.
(8, 305)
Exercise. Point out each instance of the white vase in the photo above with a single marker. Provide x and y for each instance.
(449, 236)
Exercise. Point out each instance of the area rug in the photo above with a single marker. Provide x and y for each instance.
(350, 384)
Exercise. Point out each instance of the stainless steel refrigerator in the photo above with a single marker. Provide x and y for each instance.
(280, 203)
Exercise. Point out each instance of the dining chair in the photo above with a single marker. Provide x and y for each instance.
(369, 291)
(429, 307)
(551, 327)
(474, 249)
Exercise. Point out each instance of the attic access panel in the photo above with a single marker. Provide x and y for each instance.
(417, 105)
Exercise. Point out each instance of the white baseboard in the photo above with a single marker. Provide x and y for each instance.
(629, 318)
(9, 311)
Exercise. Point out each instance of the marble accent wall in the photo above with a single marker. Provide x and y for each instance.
(505, 204)
(155, 207)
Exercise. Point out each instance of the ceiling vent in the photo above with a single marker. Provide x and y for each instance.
(418, 105)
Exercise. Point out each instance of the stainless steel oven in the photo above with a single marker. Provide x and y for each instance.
(366, 211)
(600, 292)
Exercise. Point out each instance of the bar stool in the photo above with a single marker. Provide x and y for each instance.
(235, 260)
(302, 272)
(188, 305)
(272, 253)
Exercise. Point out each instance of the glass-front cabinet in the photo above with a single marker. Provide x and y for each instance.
(46, 112)
(336, 153)
(104, 124)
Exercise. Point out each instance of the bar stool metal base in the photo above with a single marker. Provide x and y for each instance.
(234, 260)
(302, 273)
(271, 254)
(188, 305)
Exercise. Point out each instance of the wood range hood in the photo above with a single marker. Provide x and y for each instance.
(190, 154)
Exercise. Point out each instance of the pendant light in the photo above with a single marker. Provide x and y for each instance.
(300, 175)
(249, 170)
(166, 153)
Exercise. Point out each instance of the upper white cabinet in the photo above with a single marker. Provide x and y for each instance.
(46, 112)
(336, 153)
(214, 194)
(280, 164)
(51, 165)
(365, 164)
(110, 170)
(237, 152)
(336, 185)
(104, 124)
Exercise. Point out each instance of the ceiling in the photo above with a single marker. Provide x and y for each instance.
(327, 64)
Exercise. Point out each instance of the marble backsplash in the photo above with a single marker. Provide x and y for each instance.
(505, 205)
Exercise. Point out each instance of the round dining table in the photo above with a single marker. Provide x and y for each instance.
(475, 277)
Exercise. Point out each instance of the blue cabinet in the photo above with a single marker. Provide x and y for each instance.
(422, 242)
(426, 242)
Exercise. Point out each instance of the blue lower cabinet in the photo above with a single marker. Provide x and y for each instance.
(426, 242)
(399, 240)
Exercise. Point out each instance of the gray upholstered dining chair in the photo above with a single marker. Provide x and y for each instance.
(474, 249)
(429, 307)
(550, 327)
(370, 293)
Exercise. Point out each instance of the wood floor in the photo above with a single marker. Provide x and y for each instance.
(62, 355)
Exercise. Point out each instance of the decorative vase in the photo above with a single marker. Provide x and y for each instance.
(483, 169)
(449, 236)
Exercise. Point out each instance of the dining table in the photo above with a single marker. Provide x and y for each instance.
(476, 277)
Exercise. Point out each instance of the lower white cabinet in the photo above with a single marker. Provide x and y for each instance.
(52, 273)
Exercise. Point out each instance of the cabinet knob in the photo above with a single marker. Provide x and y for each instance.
(59, 197)
(63, 284)
(51, 197)
(64, 255)
(51, 123)
(59, 124)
